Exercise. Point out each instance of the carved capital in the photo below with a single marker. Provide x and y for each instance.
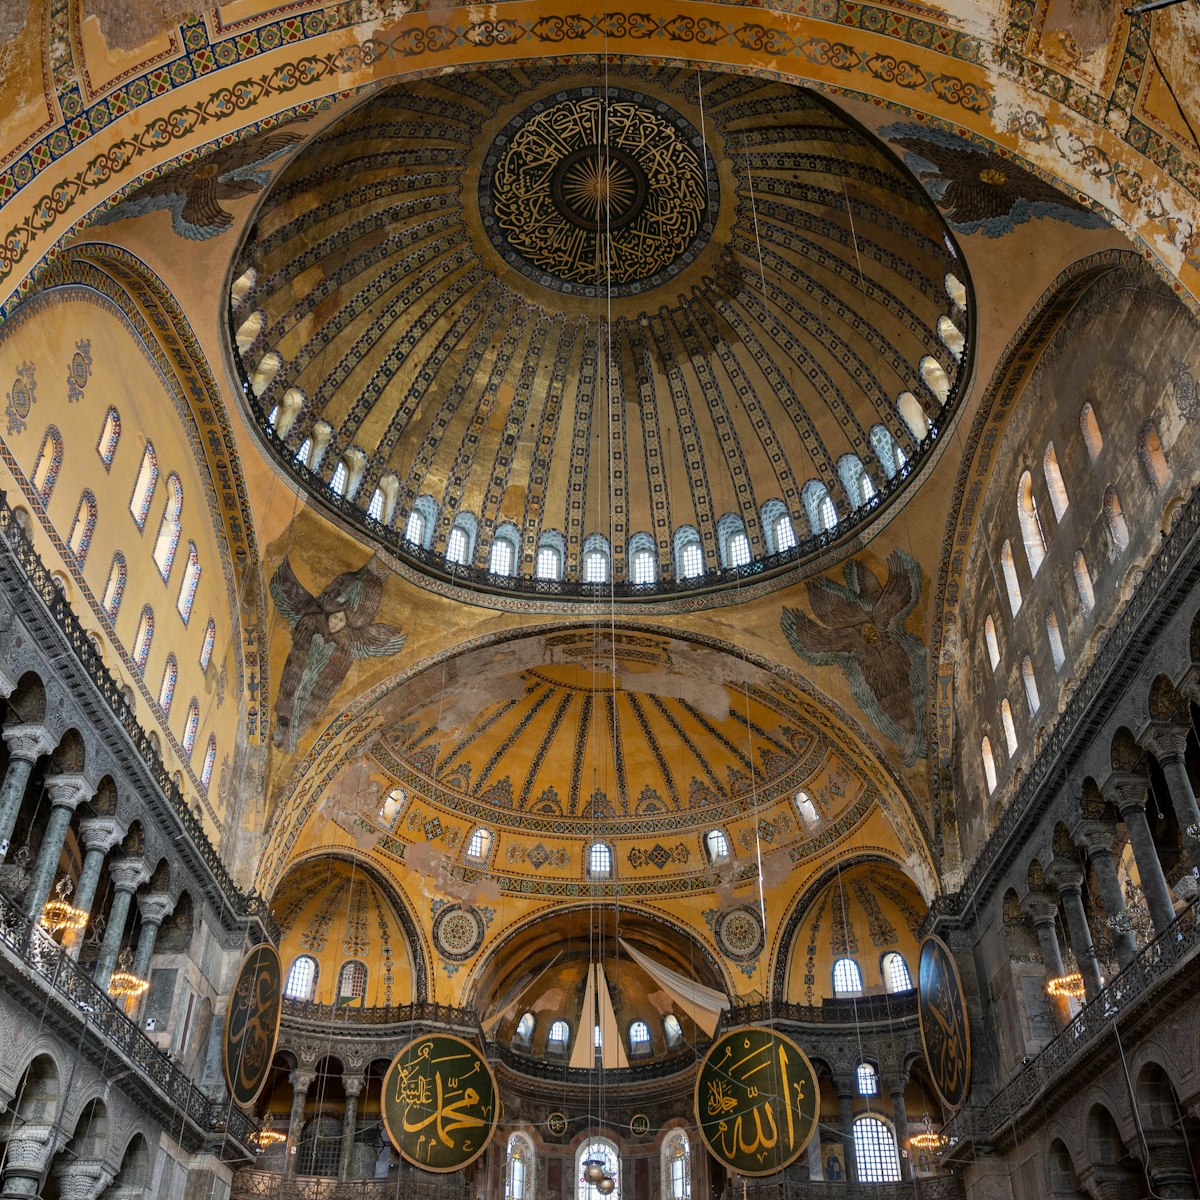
(69, 791)
(100, 833)
(1165, 740)
(28, 742)
(1065, 875)
(1126, 790)
(155, 907)
(1042, 909)
(353, 1084)
(81, 1180)
(128, 874)
(301, 1081)
(1096, 837)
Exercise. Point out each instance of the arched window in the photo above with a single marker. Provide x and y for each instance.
(895, 974)
(913, 415)
(596, 559)
(458, 546)
(1010, 730)
(639, 1038)
(46, 468)
(807, 810)
(393, 807)
(858, 484)
(206, 647)
(558, 1037)
(1031, 525)
(247, 332)
(525, 1028)
(733, 545)
(304, 453)
(480, 845)
(375, 508)
(143, 638)
(689, 557)
(114, 589)
(672, 1030)
(886, 450)
(414, 529)
(503, 558)
(302, 979)
(191, 727)
(1012, 585)
(419, 528)
(643, 561)
(597, 1150)
(169, 527)
(83, 527)
(716, 844)
(989, 764)
(1058, 652)
(935, 378)
(847, 978)
(875, 1152)
(143, 487)
(352, 982)
(264, 374)
(548, 561)
(210, 761)
(166, 689)
(1114, 518)
(1059, 500)
(1031, 689)
(993, 645)
(189, 583)
(952, 337)
(241, 287)
(677, 1166)
(284, 414)
(599, 861)
(867, 1080)
(1083, 582)
(1154, 461)
(340, 479)
(819, 507)
(519, 1173)
(956, 290)
(1090, 428)
(110, 435)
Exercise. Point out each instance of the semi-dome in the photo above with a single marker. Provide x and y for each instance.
(567, 329)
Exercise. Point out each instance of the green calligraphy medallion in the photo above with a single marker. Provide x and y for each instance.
(945, 1031)
(252, 1024)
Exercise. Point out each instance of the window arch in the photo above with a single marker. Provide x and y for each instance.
(639, 1038)
(672, 1030)
(733, 546)
(340, 479)
(956, 290)
(992, 642)
(505, 548)
(807, 810)
(894, 970)
(375, 508)
(82, 528)
(602, 1150)
(48, 463)
(1059, 500)
(1090, 428)
(989, 764)
(352, 982)
(1058, 652)
(597, 559)
(191, 727)
(480, 845)
(458, 546)
(887, 451)
(875, 1153)
(283, 415)
(1012, 585)
(189, 583)
(599, 861)
(170, 527)
(819, 507)
(1031, 525)
(393, 807)
(1083, 582)
(525, 1028)
(302, 978)
(934, 376)
(777, 527)
(689, 556)
(847, 978)
(143, 638)
(716, 845)
(913, 415)
(206, 647)
(241, 287)
(143, 487)
(677, 1166)
(1031, 688)
(519, 1181)
(210, 761)
(264, 374)
(558, 1037)
(860, 488)
(867, 1079)
(110, 435)
(1114, 518)
(247, 332)
(1010, 729)
(419, 527)
(643, 560)
(548, 561)
(1154, 461)
(166, 689)
(952, 337)
(114, 589)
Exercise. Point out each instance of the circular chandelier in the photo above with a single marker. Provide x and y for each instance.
(59, 915)
(1070, 985)
(124, 984)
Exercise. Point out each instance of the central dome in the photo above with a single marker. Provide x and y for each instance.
(564, 331)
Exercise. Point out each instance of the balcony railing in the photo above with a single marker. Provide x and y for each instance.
(846, 1010)
(931, 1187)
(204, 1122)
(351, 1017)
(268, 1185)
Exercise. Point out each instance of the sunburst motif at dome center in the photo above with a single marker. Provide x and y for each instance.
(599, 188)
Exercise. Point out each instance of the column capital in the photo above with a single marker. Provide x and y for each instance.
(1065, 876)
(1096, 837)
(353, 1084)
(69, 791)
(128, 874)
(28, 742)
(1166, 740)
(301, 1081)
(1127, 790)
(81, 1180)
(100, 833)
(155, 907)
(1041, 907)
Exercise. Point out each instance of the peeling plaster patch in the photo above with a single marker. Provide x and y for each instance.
(128, 24)
(465, 707)
(710, 698)
(13, 15)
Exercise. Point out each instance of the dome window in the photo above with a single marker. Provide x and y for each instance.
(1010, 729)
(341, 477)
(847, 978)
(143, 488)
(1030, 523)
(503, 557)
(110, 435)
(595, 559)
(993, 644)
(352, 982)
(989, 764)
(456, 546)
(114, 589)
(524, 1030)
(1012, 585)
(934, 376)
(302, 979)
(717, 846)
(1154, 461)
(1059, 500)
(1090, 428)
(952, 337)
(867, 1079)
(913, 415)
(639, 1038)
(672, 1031)
(599, 861)
(895, 974)
(1058, 652)
(808, 811)
(689, 557)
(480, 845)
(558, 1037)
(956, 290)
(1031, 688)
(1083, 582)
(875, 1153)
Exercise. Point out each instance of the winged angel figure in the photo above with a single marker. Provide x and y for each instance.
(860, 628)
(329, 633)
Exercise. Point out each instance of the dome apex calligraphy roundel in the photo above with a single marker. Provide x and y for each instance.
(587, 191)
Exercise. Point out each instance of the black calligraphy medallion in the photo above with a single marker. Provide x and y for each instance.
(587, 190)
(945, 1031)
(252, 1024)
(439, 1103)
(757, 1100)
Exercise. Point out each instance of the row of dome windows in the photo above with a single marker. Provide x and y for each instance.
(558, 1038)
(848, 980)
(1033, 537)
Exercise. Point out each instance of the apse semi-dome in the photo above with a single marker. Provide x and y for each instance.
(548, 330)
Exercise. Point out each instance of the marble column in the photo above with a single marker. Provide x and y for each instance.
(26, 744)
(1067, 879)
(81, 1179)
(1131, 804)
(900, 1120)
(128, 874)
(66, 793)
(99, 835)
(24, 1160)
(353, 1085)
(1167, 743)
(1043, 911)
(1096, 838)
(155, 908)
(846, 1123)
(301, 1081)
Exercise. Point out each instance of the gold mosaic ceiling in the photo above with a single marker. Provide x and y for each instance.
(560, 311)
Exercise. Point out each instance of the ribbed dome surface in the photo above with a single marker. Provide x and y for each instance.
(760, 287)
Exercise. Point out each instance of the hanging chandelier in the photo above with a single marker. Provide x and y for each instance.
(124, 984)
(270, 1137)
(59, 915)
(1069, 985)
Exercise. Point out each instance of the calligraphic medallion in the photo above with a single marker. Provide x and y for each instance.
(440, 1103)
(945, 1031)
(252, 1024)
(587, 191)
(757, 1100)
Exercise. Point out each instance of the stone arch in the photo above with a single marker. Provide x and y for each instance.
(1060, 1173)
(27, 702)
(134, 1170)
(70, 755)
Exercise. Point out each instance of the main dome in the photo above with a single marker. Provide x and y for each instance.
(576, 329)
